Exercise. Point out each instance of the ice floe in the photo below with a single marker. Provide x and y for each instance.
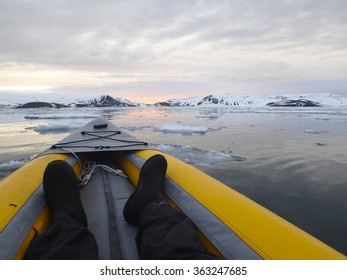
(135, 128)
(210, 116)
(57, 127)
(60, 116)
(314, 131)
(193, 155)
(14, 164)
(323, 119)
(179, 128)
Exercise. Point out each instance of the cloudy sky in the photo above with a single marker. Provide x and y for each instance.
(152, 50)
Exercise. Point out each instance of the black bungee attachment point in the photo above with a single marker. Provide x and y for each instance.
(98, 126)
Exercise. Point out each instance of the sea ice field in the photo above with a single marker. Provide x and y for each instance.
(293, 161)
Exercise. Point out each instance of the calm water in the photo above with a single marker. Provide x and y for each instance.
(296, 160)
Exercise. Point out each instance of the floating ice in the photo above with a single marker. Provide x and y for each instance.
(57, 127)
(210, 116)
(313, 131)
(193, 155)
(323, 119)
(61, 116)
(135, 128)
(213, 115)
(179, 128)
(14, 164)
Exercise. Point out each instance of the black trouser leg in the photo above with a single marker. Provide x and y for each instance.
(168, 234)
(66, 239)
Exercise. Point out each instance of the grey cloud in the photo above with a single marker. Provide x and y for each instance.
(161, 38)
(52, 31)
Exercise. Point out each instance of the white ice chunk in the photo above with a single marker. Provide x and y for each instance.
(193, 155)
(210, 116)
(213, 115)
(135, 128)
(314, 131)
(323, 119)
(57, 127)
(14, 164)
(179, 128)
(61, 116)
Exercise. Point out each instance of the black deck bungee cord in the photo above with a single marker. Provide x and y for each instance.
(95, 136)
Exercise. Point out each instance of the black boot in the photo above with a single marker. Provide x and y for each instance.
(149, 188)
(60, 186)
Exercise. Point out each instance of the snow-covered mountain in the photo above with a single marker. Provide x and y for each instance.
(15, 100)
(307, 100)
(54, 101)
(59, 101)
(106, 101)
(294, 103)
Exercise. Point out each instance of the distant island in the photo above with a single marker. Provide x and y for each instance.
(38, 104)
(103, 101)
(294, 103)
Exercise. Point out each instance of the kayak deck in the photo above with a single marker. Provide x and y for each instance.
(103, 199)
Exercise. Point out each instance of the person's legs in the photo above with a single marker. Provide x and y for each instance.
(67, 236)
(164, 233)
(64, 240)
